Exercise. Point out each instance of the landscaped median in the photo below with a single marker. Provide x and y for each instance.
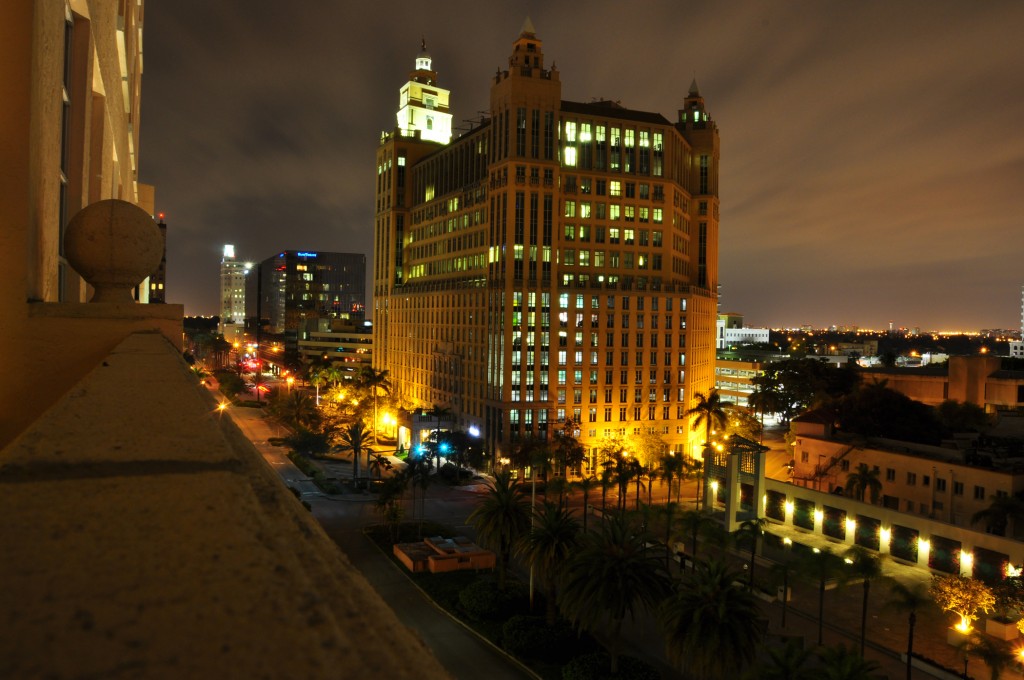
(504, 617)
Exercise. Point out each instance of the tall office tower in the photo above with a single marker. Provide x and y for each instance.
(291, 291)
(232, 295)
(1017, 346)
(557, 261)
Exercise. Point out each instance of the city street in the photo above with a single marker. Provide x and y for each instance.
(461, 652)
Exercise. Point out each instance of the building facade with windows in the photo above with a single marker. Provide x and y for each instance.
(1017, 346)
(945, 484)
(232, 295)
(70, 83)
(292, 290)
(345, 342)
(557, 261)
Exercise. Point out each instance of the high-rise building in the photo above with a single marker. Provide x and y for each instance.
(294, 289)
(232, 294)
(557, 261)
(1017, 346)
(70, 86)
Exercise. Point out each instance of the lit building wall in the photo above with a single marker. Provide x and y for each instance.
(295, 287)
(232, 294)
(920, 480)
(557, 262)
(70, 79)
(423, 106)
(346, 343)
(1017, 346)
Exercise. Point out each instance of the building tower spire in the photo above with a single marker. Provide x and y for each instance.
(423, 106)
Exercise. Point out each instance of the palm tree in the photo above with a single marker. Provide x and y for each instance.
(785, 663)
(997, 654)
(697, 523)
(586, 485)
(378, 463)
(388, 503)
(751, 530)
(1001, 515)
(694, 467)
(781, 570)
(557, 486)
(864, 480)
(418, 471)
(296, 409)
(375, 381)
(672, 468)
(652, 475)
(500, 519)
(709, 412)
(712, 627)
(843, 663)
(607, 481)
(637, 472)
(333, 374)
(317, 380)
(865, 565)
(612, 575)
(821, 567)
(354, 438)
(547, 548)
(909, 599)
(623, 473)
(669, 511)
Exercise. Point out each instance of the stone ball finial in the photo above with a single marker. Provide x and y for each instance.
(114, 245)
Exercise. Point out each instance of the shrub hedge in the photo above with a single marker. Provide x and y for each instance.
(482, 600)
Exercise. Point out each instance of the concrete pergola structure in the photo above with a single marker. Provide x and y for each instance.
(739, 461)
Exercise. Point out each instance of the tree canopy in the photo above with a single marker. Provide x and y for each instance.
(963, 596)
(875, 410)
(791, 386)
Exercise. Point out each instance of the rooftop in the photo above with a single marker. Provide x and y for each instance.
(145, 536)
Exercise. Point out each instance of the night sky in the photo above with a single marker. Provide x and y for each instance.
(872, 152)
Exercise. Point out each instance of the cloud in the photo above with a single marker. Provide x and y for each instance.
(868, 146)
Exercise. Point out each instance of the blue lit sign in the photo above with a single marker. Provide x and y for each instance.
(306, 254)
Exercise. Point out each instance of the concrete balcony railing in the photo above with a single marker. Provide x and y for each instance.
(143, 536)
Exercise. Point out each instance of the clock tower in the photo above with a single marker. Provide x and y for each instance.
(423, 106)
